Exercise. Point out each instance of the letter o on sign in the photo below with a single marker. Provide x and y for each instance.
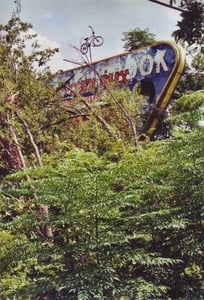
(146, 65)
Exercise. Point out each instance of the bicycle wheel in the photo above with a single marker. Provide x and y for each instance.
(97, 41)
(84, 48)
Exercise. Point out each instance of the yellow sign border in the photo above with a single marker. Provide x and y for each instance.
(167, 91)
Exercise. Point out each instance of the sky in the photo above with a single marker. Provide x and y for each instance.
(64, 24)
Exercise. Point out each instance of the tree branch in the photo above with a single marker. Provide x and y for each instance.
(33, 143)
(100, 119)
(65, 119)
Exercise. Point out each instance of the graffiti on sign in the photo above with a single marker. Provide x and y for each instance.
(157, 68)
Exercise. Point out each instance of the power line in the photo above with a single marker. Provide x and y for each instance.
(167, 5)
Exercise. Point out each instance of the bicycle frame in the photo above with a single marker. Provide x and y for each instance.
(92, 41)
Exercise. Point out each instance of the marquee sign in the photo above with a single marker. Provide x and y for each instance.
(157, 68)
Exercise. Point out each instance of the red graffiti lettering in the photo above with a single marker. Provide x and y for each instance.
(120, 76)
(106, 78)
(83, 86)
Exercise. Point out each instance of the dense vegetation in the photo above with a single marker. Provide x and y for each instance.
(88, 210)
(130, 229)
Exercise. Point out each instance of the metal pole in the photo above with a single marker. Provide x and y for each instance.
(90, 54)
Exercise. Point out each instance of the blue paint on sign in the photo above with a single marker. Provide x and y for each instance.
(153, 67)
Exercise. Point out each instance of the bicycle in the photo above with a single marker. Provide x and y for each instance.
(92, 41)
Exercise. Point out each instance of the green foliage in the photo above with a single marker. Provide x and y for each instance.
(192, 77)
(109, 122)
(198, 62)
(130, 229)
(27, 101)
(187, 112)
(127, 221)
(191, 27)
(138, 38)
(16, 261)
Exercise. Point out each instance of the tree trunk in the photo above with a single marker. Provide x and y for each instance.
(42, 209)
(17, 144)
(33, 143)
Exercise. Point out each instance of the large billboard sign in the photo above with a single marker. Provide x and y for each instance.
(157, 68)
